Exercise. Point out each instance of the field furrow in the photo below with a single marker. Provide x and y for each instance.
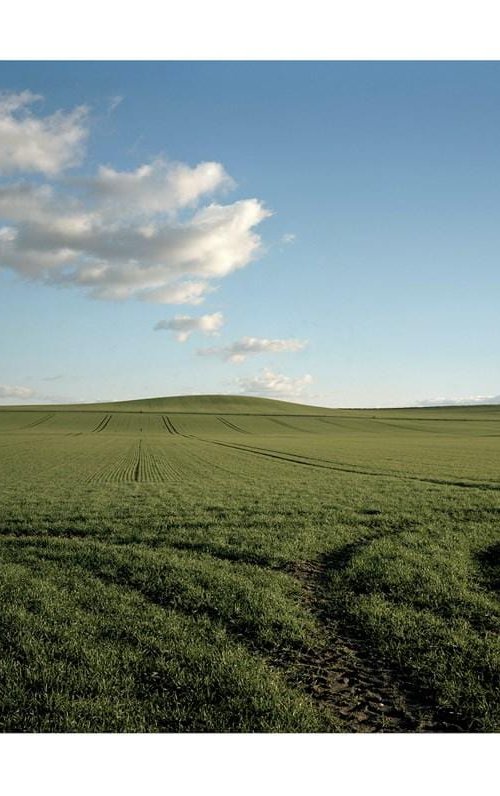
(140, 464)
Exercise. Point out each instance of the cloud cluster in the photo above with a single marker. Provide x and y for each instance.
(239, 350)
(153, 233)
(11, 391)
(275, 385)
(185, 325)
(45, 144)
(159, 232)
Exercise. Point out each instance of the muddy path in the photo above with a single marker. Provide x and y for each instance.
(345, 676)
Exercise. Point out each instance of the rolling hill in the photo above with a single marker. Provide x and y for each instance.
(246, 405)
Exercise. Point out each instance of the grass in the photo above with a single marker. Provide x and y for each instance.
(227, 564)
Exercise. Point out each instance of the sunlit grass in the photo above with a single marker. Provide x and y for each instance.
(149, 561)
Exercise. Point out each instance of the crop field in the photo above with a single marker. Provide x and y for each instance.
(223, 564)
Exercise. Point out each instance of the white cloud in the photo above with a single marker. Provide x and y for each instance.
(46, 144)
(57, 239)
(275, 385)
(8, 234)
(239, 350)
(158, 187)
(130, 234)
(468, 401)
(185, 325)
(16, 394)
(289, 237)
(181, 293)
(11, 391)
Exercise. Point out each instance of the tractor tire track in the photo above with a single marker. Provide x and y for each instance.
(346, 676)
(324, 464)
(137, 466)
(44, 419)
(102, 424)
(231, 426)
(209, 466)
(169, 425)
(284, 424)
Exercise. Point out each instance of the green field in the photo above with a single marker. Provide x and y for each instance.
(229, 564)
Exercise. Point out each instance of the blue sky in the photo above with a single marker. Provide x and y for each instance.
(341, 240)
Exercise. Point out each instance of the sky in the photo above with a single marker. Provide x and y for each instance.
(323, 232)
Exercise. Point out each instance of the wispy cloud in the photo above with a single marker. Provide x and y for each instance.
(185, 325)
(113, 102)
(16, 391)
(189, 292)
(466, 401)
(45, 144)
(288, 237)
(17, 394)
(275, 385)
(239, 350)
(154, 232)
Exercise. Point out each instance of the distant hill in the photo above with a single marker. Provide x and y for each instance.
(211, 404)
(245, 405)
(199, 404)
